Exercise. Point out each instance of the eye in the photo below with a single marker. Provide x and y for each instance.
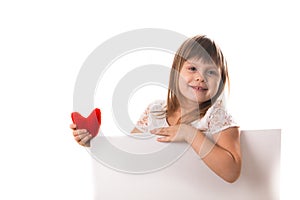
(192, 68)
(212, 72)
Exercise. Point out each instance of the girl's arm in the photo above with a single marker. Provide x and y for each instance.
(222, 156)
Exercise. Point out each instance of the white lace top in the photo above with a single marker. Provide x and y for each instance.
(215, 120)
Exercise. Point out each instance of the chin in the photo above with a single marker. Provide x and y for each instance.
(196, 101)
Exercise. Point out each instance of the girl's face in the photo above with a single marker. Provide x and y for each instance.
(198, 81)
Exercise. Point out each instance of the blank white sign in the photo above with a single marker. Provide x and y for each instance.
(187, 177)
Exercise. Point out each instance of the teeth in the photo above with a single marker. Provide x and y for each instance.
(198, 88)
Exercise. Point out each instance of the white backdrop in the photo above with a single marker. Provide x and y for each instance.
(42, 48)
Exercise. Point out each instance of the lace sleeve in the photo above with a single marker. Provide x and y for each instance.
(142, 123)
(219, 120)
(148, 119)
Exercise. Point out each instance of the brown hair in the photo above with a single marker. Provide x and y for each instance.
(195, 48)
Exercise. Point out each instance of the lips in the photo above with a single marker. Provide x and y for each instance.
(199, 88)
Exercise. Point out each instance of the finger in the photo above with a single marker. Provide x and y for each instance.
(158, 130)
(86, 139)
(80, 137)
(80, 132)
(164, 139)
(73, 126)
(77, 138)
(163, 132)
(154, 131)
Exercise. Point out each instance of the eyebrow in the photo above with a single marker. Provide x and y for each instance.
(206, 65)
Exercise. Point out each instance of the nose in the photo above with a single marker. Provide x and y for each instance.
(199, 77)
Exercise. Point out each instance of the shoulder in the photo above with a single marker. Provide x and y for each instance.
(158, 105)
(149, 116)
(216, 119)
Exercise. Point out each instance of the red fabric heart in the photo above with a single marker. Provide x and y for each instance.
(91, 123)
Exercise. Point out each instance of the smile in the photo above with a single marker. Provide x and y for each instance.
(199, 88)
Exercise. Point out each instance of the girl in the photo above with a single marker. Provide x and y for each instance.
(194, 111)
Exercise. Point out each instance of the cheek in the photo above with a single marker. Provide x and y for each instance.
(181, 84)
(214, 84)
(182, 81)
(184, 78)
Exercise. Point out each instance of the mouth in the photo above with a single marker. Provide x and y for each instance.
(199, 88)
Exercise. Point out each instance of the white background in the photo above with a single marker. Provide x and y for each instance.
(43, 45)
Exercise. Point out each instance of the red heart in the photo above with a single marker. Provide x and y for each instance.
(91, 123)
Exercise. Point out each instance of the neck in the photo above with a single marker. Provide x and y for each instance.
(186, 107)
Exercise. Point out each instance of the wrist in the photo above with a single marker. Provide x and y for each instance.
(191, 135)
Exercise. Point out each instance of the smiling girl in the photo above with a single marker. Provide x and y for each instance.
(194, 111)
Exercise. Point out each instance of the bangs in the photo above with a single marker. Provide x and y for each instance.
(201, 48)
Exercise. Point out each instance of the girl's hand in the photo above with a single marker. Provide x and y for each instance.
(177, 133)
(82, 136)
